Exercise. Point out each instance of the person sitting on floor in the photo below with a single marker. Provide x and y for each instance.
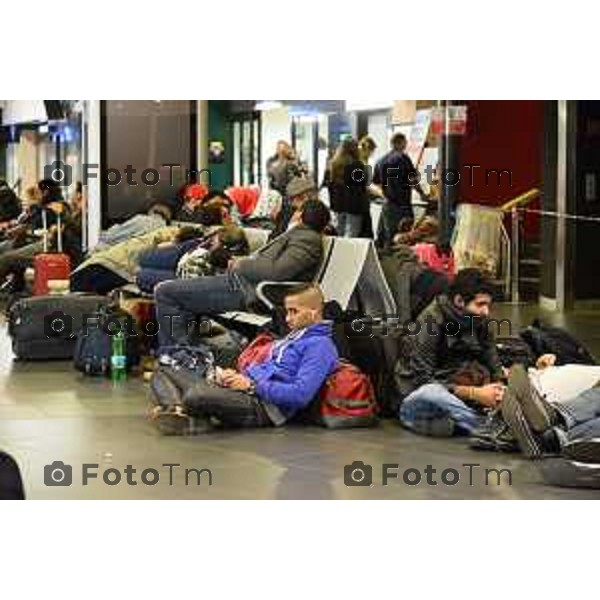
(424, 229)
(293, 256)
(192, 196)
(449, 373)
(273, 391)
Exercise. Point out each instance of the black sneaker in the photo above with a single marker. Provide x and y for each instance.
(583, 450)
(494, 435)
(539, 413)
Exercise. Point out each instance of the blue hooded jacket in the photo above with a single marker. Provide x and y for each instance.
(297, 368)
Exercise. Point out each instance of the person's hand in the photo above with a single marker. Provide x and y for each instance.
(222, 376)
(545, 361)
(489, 395)
(232, 263)
(236, 381)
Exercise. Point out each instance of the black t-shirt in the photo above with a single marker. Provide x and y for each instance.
(392, 174)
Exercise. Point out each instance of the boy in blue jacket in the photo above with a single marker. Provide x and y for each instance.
(272, 392)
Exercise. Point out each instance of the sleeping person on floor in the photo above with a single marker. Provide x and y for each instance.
(271, 392)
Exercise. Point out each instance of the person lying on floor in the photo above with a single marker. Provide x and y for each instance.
(269, 393)
(293, 256)
(449, 375)
(548, 407)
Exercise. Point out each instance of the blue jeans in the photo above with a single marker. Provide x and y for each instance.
(581, 414)
(181, 302)
(348, 225)
(431, 404)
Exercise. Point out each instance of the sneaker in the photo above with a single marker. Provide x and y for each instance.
(172, 421)
(514, 416)
(586, 450)
(539, 413)
(494, 435)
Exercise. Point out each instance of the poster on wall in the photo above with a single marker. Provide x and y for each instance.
(216, 152)
(418, 135)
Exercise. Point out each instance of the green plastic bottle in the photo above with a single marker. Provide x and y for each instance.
(118, 360)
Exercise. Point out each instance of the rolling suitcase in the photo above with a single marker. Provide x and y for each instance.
(50, 265)
(45, 327)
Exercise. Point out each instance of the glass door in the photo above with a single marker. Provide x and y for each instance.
(246, 149)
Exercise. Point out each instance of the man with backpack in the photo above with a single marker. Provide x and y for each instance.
(270, 392)
(448, 373)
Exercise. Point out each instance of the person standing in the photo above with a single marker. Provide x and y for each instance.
(282, 167)
(348, 199)
(397, 176)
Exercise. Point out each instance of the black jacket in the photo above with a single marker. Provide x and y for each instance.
(346, 199)
(434, 355)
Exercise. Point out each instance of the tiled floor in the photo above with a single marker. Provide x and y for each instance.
(49, 413)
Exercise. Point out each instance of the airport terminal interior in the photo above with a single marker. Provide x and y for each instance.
(506, 189)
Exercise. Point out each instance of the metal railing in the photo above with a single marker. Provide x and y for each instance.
(514, 249)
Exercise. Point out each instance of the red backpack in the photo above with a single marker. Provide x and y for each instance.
(347, 399)
(256, 352)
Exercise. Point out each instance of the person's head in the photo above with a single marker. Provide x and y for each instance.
(234, 240)
(32, 195)
(398, 142)
(162, 210)
(219, 199)
(210, 214)
(316, 215)
(345, 154)
(284, 150)
(50, 191)
(303, 306)
(367, 146)
(472, 293)
(299, 190)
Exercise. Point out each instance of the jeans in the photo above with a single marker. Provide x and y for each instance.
(349, 225)
(431, 404)
(233, 408)
(165, 257)
(96, 279)
(391, 215)
(181, 301)
(581, 414)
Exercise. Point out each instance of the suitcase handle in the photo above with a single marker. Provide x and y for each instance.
(59, 245)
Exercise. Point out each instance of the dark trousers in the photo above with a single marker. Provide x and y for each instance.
(96, 279)
(391, 215)
(181, 302)
(232, 408)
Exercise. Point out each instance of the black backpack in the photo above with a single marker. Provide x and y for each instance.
(10, 205)
(93, 349)
(514, 350)
(547, 339)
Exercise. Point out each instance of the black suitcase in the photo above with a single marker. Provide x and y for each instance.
(46, 327)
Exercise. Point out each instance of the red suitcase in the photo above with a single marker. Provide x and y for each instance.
(50, 265)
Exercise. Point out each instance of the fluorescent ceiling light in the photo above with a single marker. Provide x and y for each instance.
(268, 105)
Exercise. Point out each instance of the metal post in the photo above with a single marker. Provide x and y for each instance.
(515, 255)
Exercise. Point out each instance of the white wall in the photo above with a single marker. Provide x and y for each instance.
(275, 125)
